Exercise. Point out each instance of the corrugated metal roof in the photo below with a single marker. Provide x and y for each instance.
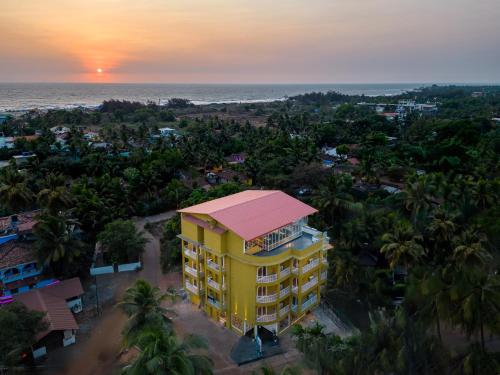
(253, 213)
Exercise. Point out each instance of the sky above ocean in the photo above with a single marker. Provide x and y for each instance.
(250, 41)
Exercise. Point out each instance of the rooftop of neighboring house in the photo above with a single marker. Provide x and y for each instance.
(52, 301)
(253, 213)
(15, 253)
(25, 221)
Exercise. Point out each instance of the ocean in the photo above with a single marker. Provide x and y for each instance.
(25, 96)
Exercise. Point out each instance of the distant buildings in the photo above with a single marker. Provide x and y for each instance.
(392, 111)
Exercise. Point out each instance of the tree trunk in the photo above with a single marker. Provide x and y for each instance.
(438, 324)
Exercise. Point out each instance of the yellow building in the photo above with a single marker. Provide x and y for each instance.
(249, 259)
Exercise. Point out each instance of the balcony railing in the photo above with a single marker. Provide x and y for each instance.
(324, 261)
(190, 253)
(309, 266)
(324, 275)
(214, 303)
(268, 298)
(284, 310)
(267, 279)
(295, 289)
(285, 272)
(295, 270)
(192, 271)
(285, 291)
(193, 289)
(266, 318)
(294, 308)
(211, 264)
(309, 285)
(213, 284)
(21, 275)
(311, 301)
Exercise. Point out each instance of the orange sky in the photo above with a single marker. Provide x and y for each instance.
(250, 40)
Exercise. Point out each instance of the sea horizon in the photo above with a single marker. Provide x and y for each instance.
(24, 96)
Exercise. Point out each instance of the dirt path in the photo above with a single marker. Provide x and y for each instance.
(98, 354)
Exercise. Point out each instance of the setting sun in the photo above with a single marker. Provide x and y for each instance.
(99, 70)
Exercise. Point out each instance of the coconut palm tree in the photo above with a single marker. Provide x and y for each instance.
(469, 249)
(403, 246)
(15, 194)
(142, 304)
(418, 199)
(477, 301)
(54, 196)
(160, 352)
(57, 243)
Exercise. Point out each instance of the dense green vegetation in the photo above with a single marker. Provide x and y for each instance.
(421, 262)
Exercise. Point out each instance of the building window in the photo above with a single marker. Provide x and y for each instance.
(278, 237)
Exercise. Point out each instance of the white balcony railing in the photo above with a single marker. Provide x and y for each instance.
(285, 291)
(214, 266)
(324, 261)
(294, 308)
(268, 298)
(295, 270)
(311, 301)
(323, 275)
(213, 284)
(309, 266)
(295, 289)
(192, 271)
(266, 318)
(285, 272)
(193, 289)
(267, 279)
(284, 310)
(309, 285)
(190, 253)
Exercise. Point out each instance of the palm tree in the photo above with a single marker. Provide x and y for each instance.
(15, 194)
(54, 196)
(162, 353)
(469, 249)
(418, 197)
(477, 301)
(56, 243)
(402, 247)
(142, 304)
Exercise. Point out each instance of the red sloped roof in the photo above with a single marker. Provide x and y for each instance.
(253, 213)
(65, 289)
(58, 315)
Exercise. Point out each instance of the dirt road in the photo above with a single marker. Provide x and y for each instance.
(98, 354)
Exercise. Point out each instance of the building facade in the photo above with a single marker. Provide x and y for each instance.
(250, 259)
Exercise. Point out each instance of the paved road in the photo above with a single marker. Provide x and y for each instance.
(98, 354)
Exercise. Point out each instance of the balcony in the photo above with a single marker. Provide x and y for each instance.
(295, 289)
(294, 308)
(267, 299)
(285, 292)
(309, 266)
(21, 275)
(214, 303)
(193, 289)
(284, 310)
(311, 283)
(266, 318)
(324, 275)
(212, 265)
(213, 284)
(295, 270)
(190, 253)
(311, 301)
(190, 270)
(267, 279)
(284, 272)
